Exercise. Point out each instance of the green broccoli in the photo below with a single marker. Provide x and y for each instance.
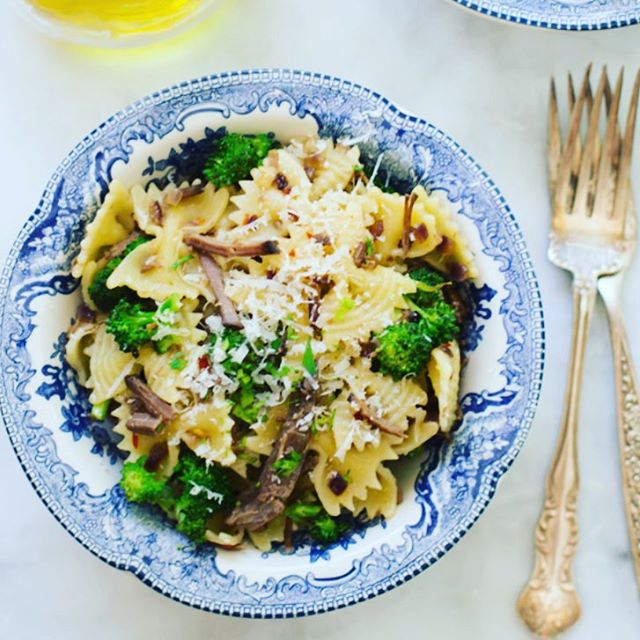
(140, 485)
(429, 283)
(103, 297)
(312, 518)
(235, 156)
(404, 348)
(205, 490)
(99, 411)
(132, 324)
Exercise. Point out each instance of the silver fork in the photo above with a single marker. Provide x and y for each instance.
(589, 187)
(627, 390)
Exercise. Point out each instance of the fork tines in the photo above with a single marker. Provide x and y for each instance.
(589, 170)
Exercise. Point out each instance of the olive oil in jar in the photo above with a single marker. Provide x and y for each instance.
(119, 18)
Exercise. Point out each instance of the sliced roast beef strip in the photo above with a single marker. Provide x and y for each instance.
(273, 489)
(228, 313)
(119, 247)
(144, 423)
(235, 249)
(153, 403)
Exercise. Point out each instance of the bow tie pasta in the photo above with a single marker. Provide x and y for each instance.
(271, 339)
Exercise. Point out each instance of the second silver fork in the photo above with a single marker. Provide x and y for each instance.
(589, 185)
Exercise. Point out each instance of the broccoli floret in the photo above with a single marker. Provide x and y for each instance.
(133, 324)
(205, 490)
(326, 529)
(103, 297)
(429, 283)
(235, 156)
(312, 518)
(140, 485)
(404, 348)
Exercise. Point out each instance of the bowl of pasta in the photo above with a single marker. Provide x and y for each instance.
(269, 343)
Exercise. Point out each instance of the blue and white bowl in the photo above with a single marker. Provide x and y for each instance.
(73, 463)
(567, 15)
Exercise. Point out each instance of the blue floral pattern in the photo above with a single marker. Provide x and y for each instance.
(456, 479)
(572, 15)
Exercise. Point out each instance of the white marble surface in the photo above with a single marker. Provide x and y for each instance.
(485, 83)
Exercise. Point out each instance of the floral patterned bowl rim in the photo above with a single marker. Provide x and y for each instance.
(565, 15)
(72, 462)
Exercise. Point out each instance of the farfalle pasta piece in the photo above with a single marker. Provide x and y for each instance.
(147, 271)
(383, 501)
(206, 430)
(397, 403)
(367, 304)
(444, 372)
(79, 338)
(108, 367)
(417, 434)
(113, 222)
(162, 378)
(333, 168)
(265, 538)
(390, 217)
(358, 467)
(263, 434)
(452, 255)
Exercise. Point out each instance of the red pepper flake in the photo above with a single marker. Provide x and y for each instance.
(135, 440)
(248, 219)
(282, 183)
(294, 216)
(292, 253)
(377, 228)
(204, 362)
(446, 347)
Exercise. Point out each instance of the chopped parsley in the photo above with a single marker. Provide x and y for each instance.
(345, 305)
(299, 511)
(287, 465)
(323, 422)
(178, 363)
(369, 246)
(308, 361)
(180, 261)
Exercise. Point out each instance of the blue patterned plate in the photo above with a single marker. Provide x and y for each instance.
(73, 462)
(568, 15)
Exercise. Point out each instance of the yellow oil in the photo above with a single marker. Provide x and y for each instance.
(120, 17)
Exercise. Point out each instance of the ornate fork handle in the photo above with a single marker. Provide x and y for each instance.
(628, 411)
(549, 603)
